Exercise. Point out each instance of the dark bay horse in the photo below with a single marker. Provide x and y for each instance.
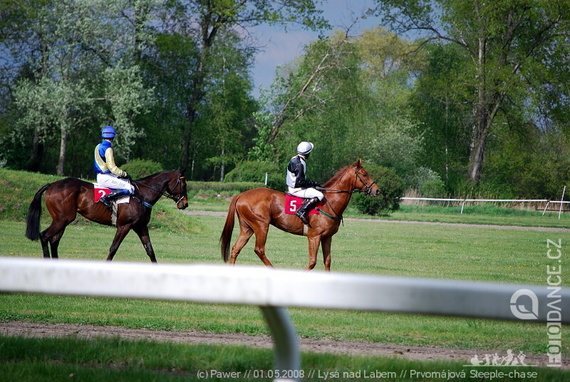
(258, 208)
(66, 197)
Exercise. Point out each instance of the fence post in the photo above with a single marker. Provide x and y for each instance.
(561, 202)
(287, 363)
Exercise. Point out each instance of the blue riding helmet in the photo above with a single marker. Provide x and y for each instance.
(108, 132)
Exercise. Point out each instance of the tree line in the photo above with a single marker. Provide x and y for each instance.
(474, 102)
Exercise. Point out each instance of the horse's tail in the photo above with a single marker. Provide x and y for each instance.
(226, 238)
(34, 214)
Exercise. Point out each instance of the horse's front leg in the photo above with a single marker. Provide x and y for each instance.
(326, 242)
(314, 243)
(121, 233)
(145, 240)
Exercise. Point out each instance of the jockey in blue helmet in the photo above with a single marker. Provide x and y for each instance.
(108, 174)
(298, 184)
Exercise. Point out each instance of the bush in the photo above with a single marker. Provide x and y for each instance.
(138, 168)
(433, 189)
(391, 188)
(254, 171)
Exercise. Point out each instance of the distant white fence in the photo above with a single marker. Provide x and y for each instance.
(273, 290)
(464, 201)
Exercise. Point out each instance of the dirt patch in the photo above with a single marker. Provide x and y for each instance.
(35, 330)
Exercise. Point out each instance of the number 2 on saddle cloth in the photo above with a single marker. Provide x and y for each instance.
(99, 192)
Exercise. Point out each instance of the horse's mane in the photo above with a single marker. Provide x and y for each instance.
(153, 175)
(336, 177)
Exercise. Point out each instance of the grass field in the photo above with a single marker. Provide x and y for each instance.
(369, 247)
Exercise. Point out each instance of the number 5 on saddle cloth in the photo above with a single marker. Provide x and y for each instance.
(293, 203)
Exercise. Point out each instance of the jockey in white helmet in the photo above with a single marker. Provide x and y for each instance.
(299, 185)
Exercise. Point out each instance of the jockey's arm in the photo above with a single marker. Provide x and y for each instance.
(110, 161)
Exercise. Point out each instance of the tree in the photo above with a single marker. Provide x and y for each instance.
(84, 71)
(205, 20)
(442, 113)
(350, 99)
(505, 41)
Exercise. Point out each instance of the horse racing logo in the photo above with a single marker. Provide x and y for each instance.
(496, 360)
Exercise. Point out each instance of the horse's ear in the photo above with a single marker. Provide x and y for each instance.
(182, 171)
(358, 163)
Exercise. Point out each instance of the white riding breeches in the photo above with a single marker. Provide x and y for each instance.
(111, 181)
(307, 193)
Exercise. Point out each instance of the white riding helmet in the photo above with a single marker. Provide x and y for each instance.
(305, 148)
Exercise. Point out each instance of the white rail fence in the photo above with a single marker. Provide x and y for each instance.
(274, 290)
(465, 201)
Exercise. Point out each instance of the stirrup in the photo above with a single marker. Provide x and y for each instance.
(105, 200)
(303, 216)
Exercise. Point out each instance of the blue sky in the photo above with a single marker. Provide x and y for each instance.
(283, 46)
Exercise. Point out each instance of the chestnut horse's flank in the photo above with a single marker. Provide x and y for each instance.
(258, 208)
(66, 197)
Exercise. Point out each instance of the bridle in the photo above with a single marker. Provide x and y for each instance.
(177, 197)
(368, 190)
(367, 187)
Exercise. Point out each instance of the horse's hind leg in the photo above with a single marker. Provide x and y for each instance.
(52, 235)
(54, 244)
(260, 240)
(245, 234)
(45, 248)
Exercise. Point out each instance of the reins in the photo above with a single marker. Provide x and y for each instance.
(163, 193)
(367, 190)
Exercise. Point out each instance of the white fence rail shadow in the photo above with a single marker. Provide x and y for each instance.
(274, 290)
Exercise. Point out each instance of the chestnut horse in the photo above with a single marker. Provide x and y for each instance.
(258, 208)
(66, 197)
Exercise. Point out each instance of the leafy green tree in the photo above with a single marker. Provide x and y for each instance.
(504, 43)
(84, 72)
(443, 116)
(349, 97)
(205, 21)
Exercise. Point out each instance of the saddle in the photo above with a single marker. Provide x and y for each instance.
(99, 192)
(293, 203)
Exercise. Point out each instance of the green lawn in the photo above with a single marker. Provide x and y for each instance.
(412, 250)
(381, 247)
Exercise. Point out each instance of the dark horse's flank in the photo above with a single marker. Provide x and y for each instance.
(258, 208)
(66, 197)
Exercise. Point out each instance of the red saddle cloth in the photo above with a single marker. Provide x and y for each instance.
(293, 203)
(99, 192)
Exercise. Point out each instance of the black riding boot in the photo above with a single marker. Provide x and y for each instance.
(106, 200)
(302, 212)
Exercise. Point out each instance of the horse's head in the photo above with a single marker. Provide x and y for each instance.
(177, 188)
(363, 180)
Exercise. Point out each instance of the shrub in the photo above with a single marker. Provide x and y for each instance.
(391, 188)
(433, 188)
(138, 168)
(254, 171)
